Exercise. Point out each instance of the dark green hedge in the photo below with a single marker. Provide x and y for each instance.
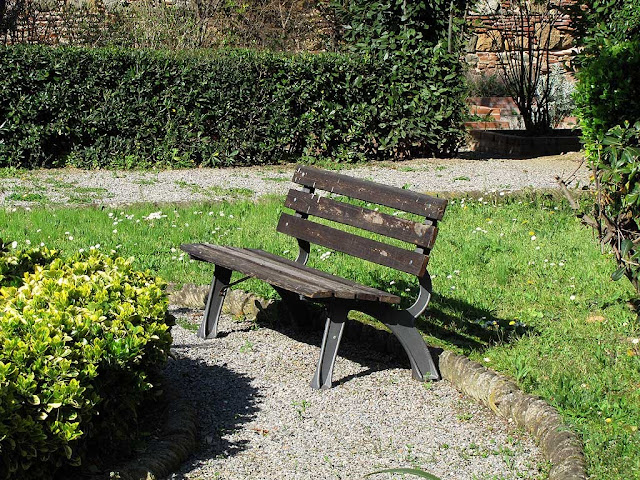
(608, 90)
(136, 108)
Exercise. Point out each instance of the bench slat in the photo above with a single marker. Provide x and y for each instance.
(363, 292)
(376, 222)
(377, 252)
(394, 197)
(285, 273)
(226, 258)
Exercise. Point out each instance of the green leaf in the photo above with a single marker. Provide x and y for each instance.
(406, 471)
(617, 275)
(625, 246)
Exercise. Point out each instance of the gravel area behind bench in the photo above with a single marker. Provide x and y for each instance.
(70, 186)
(260, 419)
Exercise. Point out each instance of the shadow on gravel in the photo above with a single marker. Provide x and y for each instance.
(454, 321)
(223, 400)
(363, 344)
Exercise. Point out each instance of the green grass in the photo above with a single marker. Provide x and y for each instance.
(519, 285)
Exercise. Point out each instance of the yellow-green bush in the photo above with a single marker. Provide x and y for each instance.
(79, 338)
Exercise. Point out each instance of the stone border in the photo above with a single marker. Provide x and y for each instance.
(559, 444)
(175, 444)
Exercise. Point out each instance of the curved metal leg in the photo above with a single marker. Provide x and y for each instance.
(402, 324)
(337, 316)
(209, 326)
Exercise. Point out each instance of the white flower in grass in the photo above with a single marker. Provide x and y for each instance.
(42, 244)
(221, 213)
(70, 237)
(392, 282)
(115, 230)
(14, 244)
(173, 250)
(572, 297)
(28, 242)
(635, 341)
(80, 250)
(155, 216)
(487, 359)
(533, 238)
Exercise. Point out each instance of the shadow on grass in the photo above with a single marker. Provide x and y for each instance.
(468, 327)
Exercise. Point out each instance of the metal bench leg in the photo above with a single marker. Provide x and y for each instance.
(337, 316)
(209, 326)
(402, 324)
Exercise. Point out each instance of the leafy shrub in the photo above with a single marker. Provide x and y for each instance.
(484, 85)
(136, 108)
(608, 105)
(79, 339)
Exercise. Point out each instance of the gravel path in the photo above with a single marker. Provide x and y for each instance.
(260, 419)
(69, 186)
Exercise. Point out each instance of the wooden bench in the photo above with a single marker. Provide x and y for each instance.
(295, 282)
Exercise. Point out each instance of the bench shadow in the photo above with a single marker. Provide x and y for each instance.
(223, 400)
(464, 325)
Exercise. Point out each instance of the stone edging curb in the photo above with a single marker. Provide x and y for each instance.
(559, 444)
(165, 454)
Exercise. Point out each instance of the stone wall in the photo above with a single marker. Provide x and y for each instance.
(492, 30)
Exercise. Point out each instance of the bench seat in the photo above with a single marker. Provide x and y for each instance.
(287, 274)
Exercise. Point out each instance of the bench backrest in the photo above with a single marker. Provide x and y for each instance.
(305, 203)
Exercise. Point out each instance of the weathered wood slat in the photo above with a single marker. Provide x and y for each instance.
(291, 270)
(227, 259)
(363, 292)
(377, 222)
(285, 273)
(377, 252)
(394, 197)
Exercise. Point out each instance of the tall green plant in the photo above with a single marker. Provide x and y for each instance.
(608, 102)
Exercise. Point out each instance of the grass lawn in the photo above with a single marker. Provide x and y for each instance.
(519, 285)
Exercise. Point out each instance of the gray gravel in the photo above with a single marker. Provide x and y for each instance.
(259, 418)
(69, 186)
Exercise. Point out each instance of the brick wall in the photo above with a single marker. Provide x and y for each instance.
(490, 34)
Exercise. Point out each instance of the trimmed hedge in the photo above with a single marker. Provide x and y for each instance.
(136, 108)
(79, 339)
(608, 91)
